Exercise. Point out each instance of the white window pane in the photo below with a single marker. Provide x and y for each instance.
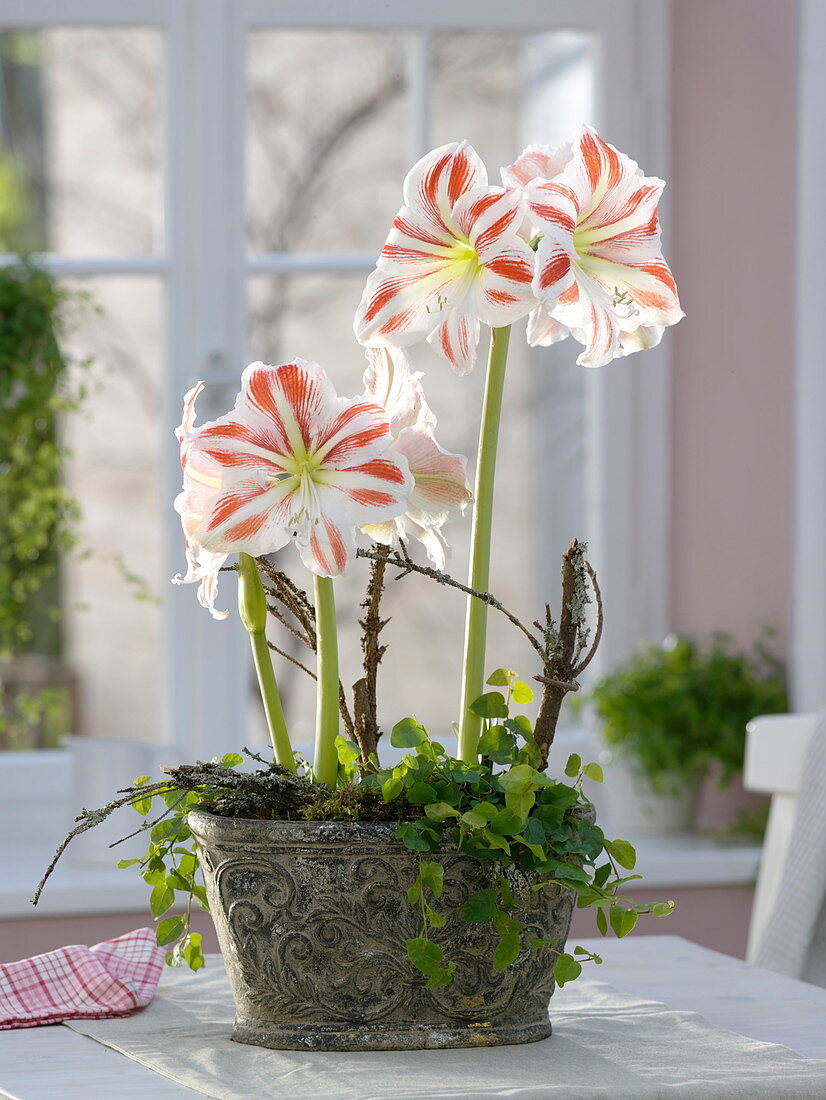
(113, 585)
(326, 139)
(81, 131)
(504, 91)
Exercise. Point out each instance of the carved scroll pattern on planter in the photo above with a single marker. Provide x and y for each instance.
(319, 933)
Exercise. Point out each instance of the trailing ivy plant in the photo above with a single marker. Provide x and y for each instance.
(503, 809)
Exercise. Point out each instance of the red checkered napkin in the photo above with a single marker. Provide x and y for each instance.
(81, 983)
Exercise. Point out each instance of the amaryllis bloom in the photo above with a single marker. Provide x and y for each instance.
(535, 162)
(291, 461)
(599, 269)
(440, 487)
(453, 259)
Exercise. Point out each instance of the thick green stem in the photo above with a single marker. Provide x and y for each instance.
(325, 765)
(473, 677)
(252, 607)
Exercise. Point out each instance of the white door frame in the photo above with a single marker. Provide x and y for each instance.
(808, 647)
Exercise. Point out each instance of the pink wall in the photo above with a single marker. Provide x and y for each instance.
(732, 241)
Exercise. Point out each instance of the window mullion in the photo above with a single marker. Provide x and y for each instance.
(206, 661)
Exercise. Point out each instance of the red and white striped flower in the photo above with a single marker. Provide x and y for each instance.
(599, 268)
(291, 461)
(453, 259)
(535, 162)
(440, 487)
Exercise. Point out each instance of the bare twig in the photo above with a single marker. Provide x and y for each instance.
(583, 664)
(289, 657)
(565, 644)
(367, 730)
(406, 564)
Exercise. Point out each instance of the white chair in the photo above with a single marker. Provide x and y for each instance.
(786, 758)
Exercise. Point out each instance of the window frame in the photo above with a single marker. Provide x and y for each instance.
(206, 268)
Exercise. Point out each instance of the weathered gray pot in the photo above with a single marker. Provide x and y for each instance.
(312, 920)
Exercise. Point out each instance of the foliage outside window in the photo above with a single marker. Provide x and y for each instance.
(680, 707)
(37, 514)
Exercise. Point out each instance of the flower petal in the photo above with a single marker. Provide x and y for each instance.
(389, 381)
(375, 491)
(544, 330)
(328, 546)
(457, 339)
(203, 566)
(435, 184)
(399, 309)
(642, 338)
(536, 162)
(440, 478)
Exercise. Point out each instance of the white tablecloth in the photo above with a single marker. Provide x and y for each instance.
(605, 1043)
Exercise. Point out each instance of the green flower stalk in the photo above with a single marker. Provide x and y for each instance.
(325, 764)
(473, 675)
(252, 607)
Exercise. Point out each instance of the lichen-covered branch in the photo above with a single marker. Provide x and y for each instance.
(283, 792)
(563, 648)
(563, 661)
(365, 709)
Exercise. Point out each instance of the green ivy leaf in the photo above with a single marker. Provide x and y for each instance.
(480, 906)
(421, 793)
(573, 766)
(623, 853)
(142, 805)
(407, 734)
(507, 951)
(497, 744)
(663, 908)
(474, 819)
(506, 823)
(601, 875)
(232, 759)
(127, 862)
(566, 969)
(169, 930)
(501, 677)
(602, 922)
(192, 951)
(622, 920)
(521, 693)
(424, 954)
(433, 876)
(161, 899)
(391, 788)
(534, 831)
(594, 771)
(348, 751)
(490, 705)
(438, 811)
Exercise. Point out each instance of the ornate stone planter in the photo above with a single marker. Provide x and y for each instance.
(312, 920)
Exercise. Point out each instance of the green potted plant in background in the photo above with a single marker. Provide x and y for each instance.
(669, 714)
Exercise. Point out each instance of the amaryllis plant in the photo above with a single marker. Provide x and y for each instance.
(571, 242)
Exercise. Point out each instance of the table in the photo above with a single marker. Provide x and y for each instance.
(54, 1062)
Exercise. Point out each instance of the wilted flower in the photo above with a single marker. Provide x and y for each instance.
(439, 477)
